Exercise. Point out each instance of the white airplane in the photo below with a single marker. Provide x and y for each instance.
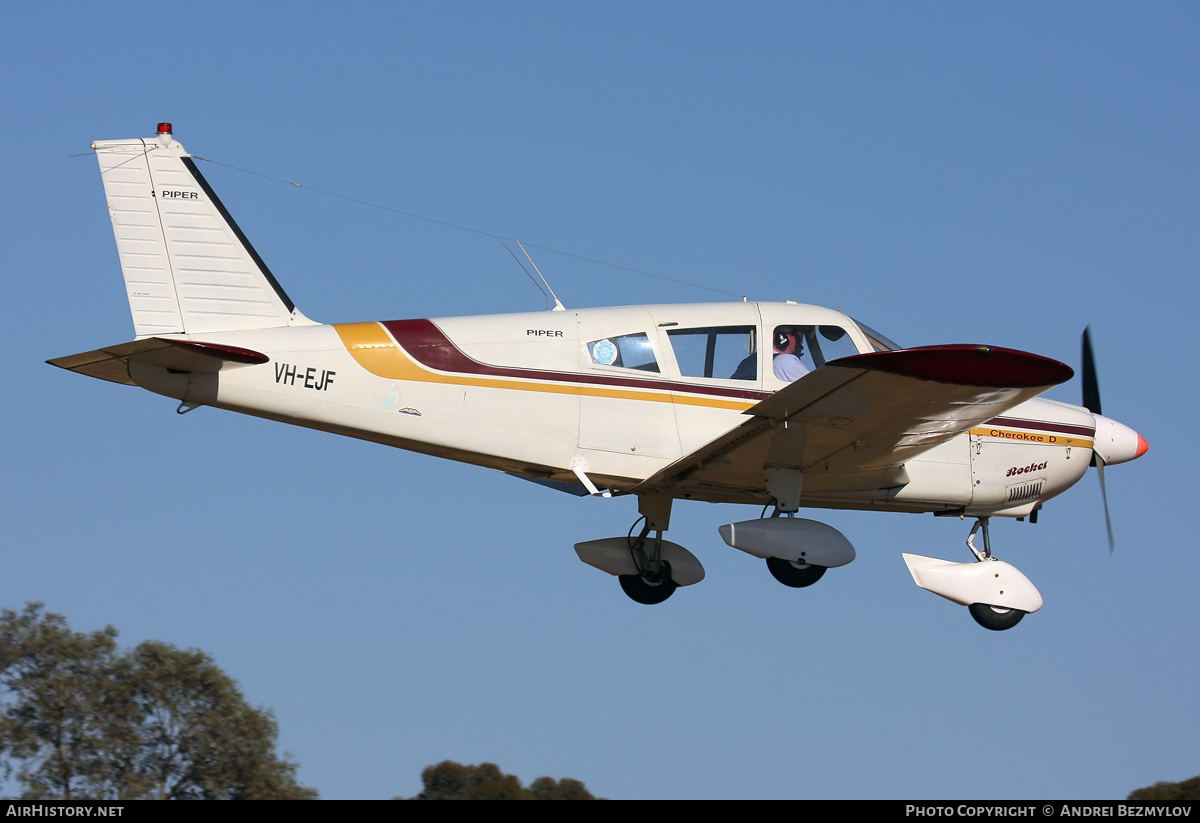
(786, 405)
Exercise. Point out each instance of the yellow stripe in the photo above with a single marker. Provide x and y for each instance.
(373, 348)
(1042, 438)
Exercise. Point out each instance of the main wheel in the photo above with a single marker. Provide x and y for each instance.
(649, 590)
(995, 618)
(795, 575)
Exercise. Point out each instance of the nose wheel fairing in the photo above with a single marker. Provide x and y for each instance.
(997, 594)
(989, 582)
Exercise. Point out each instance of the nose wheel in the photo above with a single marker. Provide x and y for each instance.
(994, 617)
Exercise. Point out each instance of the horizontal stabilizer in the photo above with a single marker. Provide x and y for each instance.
(185, 356)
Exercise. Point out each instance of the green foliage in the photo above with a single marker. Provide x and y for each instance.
(547, 788)
(454, 781)
(1186, 791)
(81, 719)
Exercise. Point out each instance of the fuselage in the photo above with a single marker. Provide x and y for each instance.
(781, 404)
(622, 392)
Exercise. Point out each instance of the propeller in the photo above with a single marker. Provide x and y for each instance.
(1091, 402)
(1091, 386)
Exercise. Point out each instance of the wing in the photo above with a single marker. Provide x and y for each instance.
(851, 424)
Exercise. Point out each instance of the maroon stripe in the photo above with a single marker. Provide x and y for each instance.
(961, 364)
(1038, 425)
(431, 348)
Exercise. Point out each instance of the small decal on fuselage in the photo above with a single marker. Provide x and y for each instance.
(308, 377)
(1029, 437)
(388, 395)
(1026, 436)
(543, 333)
(410, 410)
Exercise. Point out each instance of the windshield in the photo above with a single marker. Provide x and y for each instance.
(877, 340)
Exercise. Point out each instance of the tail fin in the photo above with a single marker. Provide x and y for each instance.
(188, 267)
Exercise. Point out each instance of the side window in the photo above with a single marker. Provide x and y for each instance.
(723, 352)
(629, 351)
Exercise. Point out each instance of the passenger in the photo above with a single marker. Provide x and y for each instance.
(786, 363)
(747, 369)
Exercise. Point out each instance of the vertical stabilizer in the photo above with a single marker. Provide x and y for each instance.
(188, 267)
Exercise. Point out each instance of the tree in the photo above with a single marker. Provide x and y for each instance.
(81, 719)
(547, 788)
(454, 781)
(1186, 791)
(65, 726)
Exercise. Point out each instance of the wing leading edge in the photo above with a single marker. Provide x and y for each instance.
(851, 424)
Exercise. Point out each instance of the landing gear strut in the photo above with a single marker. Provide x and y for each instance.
(653, 583)
(649, 568)
(995, 618)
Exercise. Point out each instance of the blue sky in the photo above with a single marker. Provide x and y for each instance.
(1000, 173)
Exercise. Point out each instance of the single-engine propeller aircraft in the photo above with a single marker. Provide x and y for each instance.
(785, 405)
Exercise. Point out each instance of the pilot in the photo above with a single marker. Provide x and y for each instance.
(786, 363)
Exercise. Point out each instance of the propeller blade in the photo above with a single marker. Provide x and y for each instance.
(1104, 496)
(1091, 386)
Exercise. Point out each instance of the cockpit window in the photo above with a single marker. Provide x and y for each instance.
(628, 351)
(797, 350)
(877, 340)
(724, 352)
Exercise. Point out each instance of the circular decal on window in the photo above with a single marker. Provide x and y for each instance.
(604, 352)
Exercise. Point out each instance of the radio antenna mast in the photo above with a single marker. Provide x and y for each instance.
(558, 306)
(536, 284)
